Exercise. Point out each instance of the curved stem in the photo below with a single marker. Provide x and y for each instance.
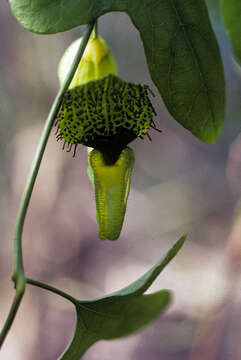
(18, 272)
(52, 289)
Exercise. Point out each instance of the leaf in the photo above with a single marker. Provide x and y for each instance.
(120, 313)
(110, 320)
(180, 47)
(231, 11)
(185, 63)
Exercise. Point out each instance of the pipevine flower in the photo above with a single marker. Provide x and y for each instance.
(105, 114)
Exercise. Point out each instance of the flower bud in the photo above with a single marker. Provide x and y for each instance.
(97, 62)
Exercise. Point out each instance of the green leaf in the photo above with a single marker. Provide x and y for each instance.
(112, 319)
(185, 64)
(180, 47)
(120, 313)
(231, 11)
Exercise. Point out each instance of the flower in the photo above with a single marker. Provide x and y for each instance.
(104, 113)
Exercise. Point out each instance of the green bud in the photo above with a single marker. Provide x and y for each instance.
(97, 62)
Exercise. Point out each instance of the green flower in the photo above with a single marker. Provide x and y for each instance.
(104, 113)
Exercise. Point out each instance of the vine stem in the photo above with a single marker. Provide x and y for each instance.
(18, 271)
(52, 289)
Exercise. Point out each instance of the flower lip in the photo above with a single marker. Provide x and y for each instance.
(111, 146)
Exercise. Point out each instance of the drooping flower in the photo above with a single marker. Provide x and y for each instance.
(106, 113)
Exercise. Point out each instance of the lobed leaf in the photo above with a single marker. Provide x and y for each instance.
(112, 319)
(120, 313)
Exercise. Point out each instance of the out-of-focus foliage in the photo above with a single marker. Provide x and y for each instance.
(231, 11)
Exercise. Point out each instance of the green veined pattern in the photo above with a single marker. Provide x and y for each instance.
(104, 108)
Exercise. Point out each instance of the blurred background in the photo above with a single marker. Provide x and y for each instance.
(179, 185)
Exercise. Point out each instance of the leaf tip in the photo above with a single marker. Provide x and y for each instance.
(178, 245)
